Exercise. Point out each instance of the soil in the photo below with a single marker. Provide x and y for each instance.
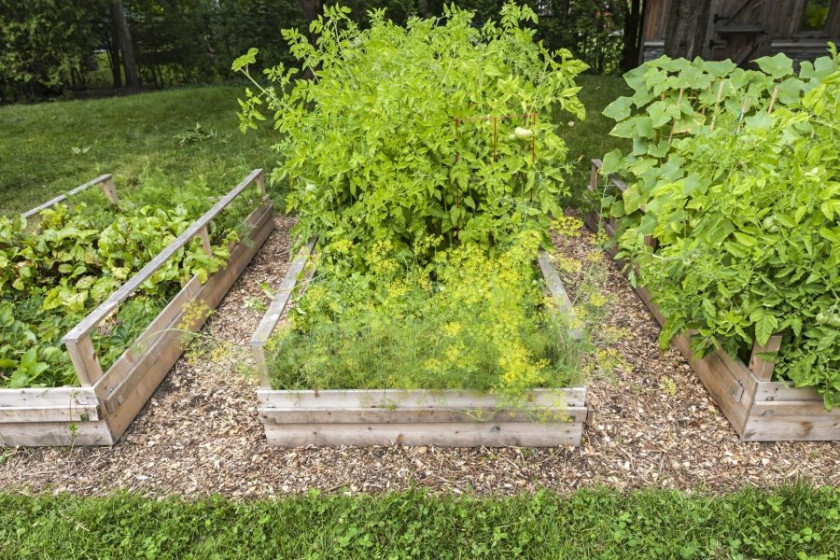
(654, 424)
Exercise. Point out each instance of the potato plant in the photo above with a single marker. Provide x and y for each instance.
(741, 191)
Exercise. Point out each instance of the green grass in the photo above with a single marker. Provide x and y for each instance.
(137, 137)
(590, 139)
(791, 522)
(133, 137)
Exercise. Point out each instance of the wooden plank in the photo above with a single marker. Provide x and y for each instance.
(775, 391)
(275, 309)
(391, 398)
(807, 427)
(126, 401)
(763, 370)
(558, 292)
(147, 342)
(51, 396)
(84, 358)
(125, 291)
(487, 434)
(62, 197)
(52, 434)
(724, 387)
(422, 415)
(67, 413)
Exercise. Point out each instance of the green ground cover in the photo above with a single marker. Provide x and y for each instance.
(790, 523)
(49, 148)
(140, 136)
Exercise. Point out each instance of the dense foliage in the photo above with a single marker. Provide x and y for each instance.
(56, 271)
(483, 324)
(394, 140)
(53, 46)
(425, 160)
(797, 522)
(736, 175)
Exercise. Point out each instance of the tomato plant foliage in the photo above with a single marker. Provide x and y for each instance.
(404, 133)
(736, 175)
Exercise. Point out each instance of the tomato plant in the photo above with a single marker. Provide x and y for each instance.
(404, 133)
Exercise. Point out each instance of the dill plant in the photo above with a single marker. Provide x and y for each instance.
(468, 320)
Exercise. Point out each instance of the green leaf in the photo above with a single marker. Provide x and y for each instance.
(248, 58)
(619, 109)
(778, 66)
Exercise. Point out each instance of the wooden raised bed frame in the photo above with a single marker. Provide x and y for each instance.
(759, 409)
(449, 418)
(102, 407)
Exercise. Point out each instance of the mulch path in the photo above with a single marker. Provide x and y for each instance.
(654, 425)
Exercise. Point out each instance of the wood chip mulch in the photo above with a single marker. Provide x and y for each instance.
(654, 425)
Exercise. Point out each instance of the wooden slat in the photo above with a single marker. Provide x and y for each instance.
(423, 415)
(396, 398)
(147, 342)
(125, 291)
(52, 396)
(762, 369)
(775, 391)
(55, 434)
(84, 358)
(558, 291)
(476, 434)
(67, 413)
(809, 426)
(726, 390)
(125, 401)
(275, 310)
(107, 178)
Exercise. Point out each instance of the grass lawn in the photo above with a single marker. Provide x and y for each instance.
(49, 148)
(792, 522)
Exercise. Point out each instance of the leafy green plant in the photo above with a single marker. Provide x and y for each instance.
(52, 276)
(409, 132)
(739, 186)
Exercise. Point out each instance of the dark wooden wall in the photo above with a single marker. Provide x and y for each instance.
(743, 30)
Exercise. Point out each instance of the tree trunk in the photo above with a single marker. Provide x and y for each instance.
(424, 9)
(632, 36)
(686, 33)
(123, 38)
(311, 9)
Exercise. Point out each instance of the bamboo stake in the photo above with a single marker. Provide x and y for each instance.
(674, 126)
(717, 103)
(743, 113)
(773, 99)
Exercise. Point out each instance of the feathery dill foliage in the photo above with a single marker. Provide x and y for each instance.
(468, 320)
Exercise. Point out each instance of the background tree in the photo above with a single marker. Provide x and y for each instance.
(122, 37)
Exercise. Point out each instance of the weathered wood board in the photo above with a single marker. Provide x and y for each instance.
(99, 412)
(453, 418)
(757, 408)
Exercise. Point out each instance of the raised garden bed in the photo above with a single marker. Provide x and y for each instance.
(99, 410)
(759, 409)
(452, 418)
